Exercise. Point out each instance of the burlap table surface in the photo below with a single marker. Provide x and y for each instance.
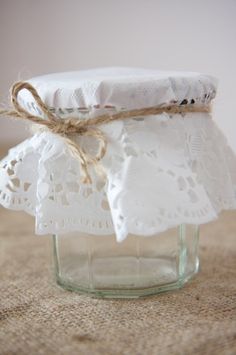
(38, 317)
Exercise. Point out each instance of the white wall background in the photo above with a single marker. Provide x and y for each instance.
(42, 36)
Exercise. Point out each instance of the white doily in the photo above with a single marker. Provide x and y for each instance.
(161, 171)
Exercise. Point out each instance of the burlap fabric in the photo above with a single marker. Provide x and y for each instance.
(38, 317)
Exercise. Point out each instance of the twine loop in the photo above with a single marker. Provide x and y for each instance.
(69, 127)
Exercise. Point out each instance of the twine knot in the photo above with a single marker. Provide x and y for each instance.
(68, 126)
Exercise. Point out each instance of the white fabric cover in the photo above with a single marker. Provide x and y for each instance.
(161, 171)
(97, 90)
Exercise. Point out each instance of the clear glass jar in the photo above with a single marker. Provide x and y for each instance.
(138, 266)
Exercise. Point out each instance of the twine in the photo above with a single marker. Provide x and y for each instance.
(84, 127)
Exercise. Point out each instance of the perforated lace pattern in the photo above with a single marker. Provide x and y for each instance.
(161, 171)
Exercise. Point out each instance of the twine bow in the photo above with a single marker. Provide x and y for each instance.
(64, 127)
(86, 127)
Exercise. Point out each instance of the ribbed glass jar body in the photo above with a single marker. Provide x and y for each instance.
(138, 266)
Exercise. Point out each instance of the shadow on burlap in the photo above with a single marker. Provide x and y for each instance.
(37, 317)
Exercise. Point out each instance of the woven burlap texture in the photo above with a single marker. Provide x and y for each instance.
(38, 317)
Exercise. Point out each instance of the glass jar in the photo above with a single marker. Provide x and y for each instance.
(138, 266)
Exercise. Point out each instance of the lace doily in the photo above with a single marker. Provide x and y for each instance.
(161, 171)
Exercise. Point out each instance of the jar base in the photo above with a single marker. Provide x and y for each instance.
(127, 286)
(123, 293)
